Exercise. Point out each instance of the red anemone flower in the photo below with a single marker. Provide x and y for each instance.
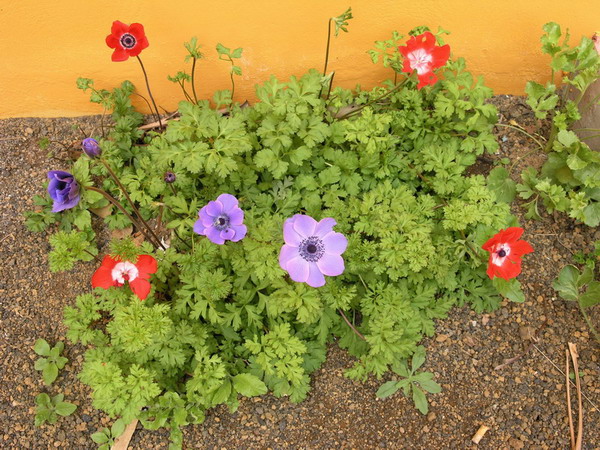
(422, 54)
(114, 272)
(506, 251)
(127, 40)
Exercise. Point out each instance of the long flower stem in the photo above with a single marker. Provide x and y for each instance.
(114, 176)
(589, 323)
(193, 81)
(114, 201)
(327, 47)
(351, 326)
(149, 91)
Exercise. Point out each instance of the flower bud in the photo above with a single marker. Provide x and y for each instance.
(170, 177)
(91, 147)
(596, 40)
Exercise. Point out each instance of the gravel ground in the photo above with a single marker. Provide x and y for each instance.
(522, 403)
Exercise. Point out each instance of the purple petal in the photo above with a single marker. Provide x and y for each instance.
(286, 254)
(236, 216)
(206, 219)
(290, 236)
(228, 201)
(331, 265)
(298, 269)
(325, 226)
(70, 203)
(199, 227)
(304, 225)
(58, 174)
(227, 234)
(214, 209)
(240, 232)
(335, 243)
(315, 277)
(214, 235)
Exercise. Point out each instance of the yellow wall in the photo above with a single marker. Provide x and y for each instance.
(45, 45)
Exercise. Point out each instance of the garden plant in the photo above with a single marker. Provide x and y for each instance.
(263, 232)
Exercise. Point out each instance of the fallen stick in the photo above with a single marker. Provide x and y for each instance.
(122, 441)
(574, 355)
(569, 411)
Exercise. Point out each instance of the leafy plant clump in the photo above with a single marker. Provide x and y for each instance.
(51, 361)
(388, 164)
(569, 181)
(49, 408)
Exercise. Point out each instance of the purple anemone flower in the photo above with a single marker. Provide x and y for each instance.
(312, 249)
(63, 189)
(91, 147)
(221, 220)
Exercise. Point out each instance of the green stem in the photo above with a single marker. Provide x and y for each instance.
(193, 81)
(327, 47)
(114, 201)
(149, 91)
(93, 256)
(351, 326)
(114, 176)
(590, 137)
(589, 322)
(185, 93)
(361, 107)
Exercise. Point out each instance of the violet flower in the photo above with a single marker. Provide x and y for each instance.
(170, 177)
(221, 220)
(91, 147)
(63, 189)
(312, 249)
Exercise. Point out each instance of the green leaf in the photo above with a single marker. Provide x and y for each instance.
(500, 183)
(49, 374)
(566, 283)
(425, 380)
(510, 289)
(418, 359)
(222, 394)
(591, 297)
(41, 347)
(117, 428)
(99, 437)
(386, 389)
(41, 364)
(420, 400)
(591, 213)
(249, 385)
(65, 408)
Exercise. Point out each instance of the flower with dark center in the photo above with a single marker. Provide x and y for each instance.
(312, 249)
(170, 177)
(114, 272)
(127, 40)
(506, 251)
(422, 55)
(221, 220)
(63, 189)
(91, 147)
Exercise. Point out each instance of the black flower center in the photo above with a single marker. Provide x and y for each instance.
(128, 41)
(502, 253)
(312, 249)
(221, 222)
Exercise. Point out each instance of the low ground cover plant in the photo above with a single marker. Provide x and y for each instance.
(268, 230)
(569, 181)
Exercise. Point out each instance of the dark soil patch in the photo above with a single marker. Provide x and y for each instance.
(522, 403)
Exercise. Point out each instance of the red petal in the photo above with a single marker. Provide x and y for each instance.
(112, 41)
(120, 54)
(118, 28)
(511, 234)
(427, 41)
(137, 30)
(140, 287)
(520, 248)
(146, 264)
(440, 56)
(103, 278)
(510, 269)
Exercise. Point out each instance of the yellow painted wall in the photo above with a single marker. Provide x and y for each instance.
(45, 45)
